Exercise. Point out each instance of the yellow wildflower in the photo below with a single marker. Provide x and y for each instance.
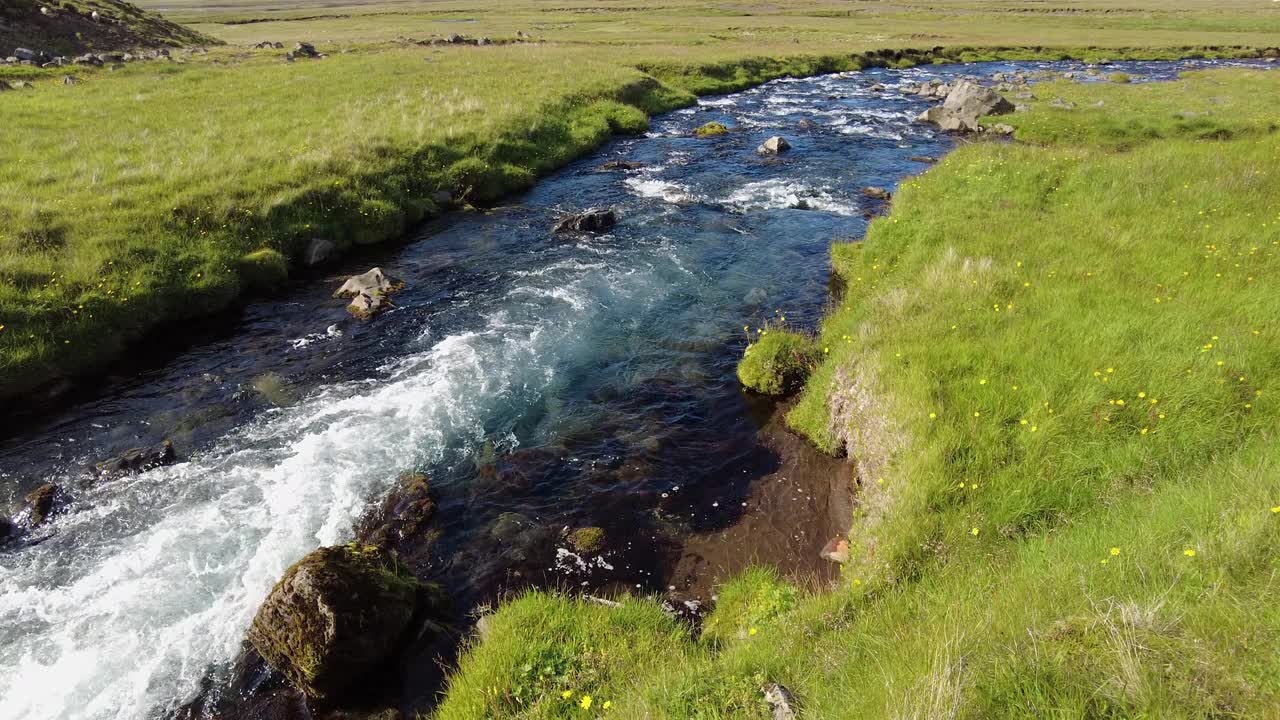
(1189, 552)
(1115, 551)
(585, 702)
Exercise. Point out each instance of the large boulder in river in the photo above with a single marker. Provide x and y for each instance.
(966, 102)
(592, 220)
(337, 614)
(774, 146)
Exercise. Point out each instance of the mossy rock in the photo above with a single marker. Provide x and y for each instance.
(587, 540)
(264, 270)
(1119, 77)
(777, 363)
(712, 129)
(337, 614)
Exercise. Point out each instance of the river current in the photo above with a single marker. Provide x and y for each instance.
(597, 371)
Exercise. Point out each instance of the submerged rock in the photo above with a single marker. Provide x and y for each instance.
(137, 460)
(7, 529)
(774, 146)
(336, 615)
(404, 514)
(369, 292)
(43, 503)
(587, 540)
(622, 165)
(877, 193)
(807, 124)
(924, 159)
(592, 220)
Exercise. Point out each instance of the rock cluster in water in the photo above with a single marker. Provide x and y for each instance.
(369, 292)
(965, 103)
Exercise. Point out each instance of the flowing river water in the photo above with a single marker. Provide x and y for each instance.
(595, 373)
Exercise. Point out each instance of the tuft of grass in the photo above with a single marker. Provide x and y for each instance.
(777, 361)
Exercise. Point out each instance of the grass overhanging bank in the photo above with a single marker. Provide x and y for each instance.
(164, 194)
(1055, 365)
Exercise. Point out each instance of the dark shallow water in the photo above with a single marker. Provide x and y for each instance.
(540, 380)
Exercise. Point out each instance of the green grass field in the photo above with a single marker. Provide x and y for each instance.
(147, 195)
(1055, 367)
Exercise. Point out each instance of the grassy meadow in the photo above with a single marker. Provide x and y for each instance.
(161, 191)
(1055, 367)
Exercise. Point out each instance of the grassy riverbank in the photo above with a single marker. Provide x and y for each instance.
(1055, 367)
(148, 195)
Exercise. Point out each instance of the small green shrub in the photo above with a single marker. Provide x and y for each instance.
(777, 362)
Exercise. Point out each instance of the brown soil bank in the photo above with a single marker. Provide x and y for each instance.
(65, 27)
(786, 521)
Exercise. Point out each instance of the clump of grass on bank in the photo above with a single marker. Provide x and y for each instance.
(1054, 366)
(777, 361)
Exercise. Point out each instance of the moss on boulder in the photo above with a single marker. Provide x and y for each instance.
(712, 129)
(777, 362)
(335, 615)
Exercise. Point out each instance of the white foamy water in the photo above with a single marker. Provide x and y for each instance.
(154, 579)
(671, 192)
(777, 193)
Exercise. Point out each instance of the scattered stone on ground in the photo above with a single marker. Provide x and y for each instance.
(268, 45)
(369, 293)
(71, 80)
(836, 550)
(1060, 103)
(774, 146)
(1001, 129)
(782, 704)
(591, 220)
(336, 615)
(877, 193)
(304, 50)
(136, 460)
